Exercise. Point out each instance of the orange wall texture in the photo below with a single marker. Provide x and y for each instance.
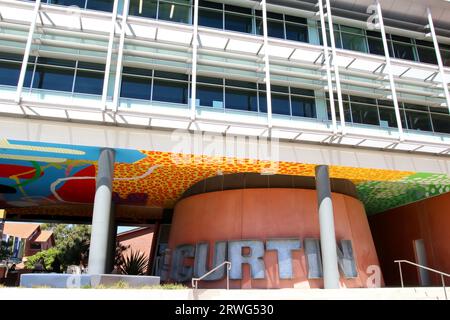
(394, 232)
(261, 214)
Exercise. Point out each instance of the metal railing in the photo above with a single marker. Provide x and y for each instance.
(196, 280)
(442, 274)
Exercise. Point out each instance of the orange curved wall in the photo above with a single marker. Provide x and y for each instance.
(261, 214)
(395, 230)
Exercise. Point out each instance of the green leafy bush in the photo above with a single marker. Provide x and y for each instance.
(48, 256)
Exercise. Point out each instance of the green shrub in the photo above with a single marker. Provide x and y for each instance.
(134, 264)
(48, 256)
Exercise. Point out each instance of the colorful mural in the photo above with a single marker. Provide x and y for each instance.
(36, 174)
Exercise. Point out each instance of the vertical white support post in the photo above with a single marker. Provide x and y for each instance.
(118, 80)
(389, 70)
(328, 246)
(109, 54)
(26, 55)
(267, 64)
(326, 54)
(336, 67)
(102, 214)
(194, 62)
(438, 58)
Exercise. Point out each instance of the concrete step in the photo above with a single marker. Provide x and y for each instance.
(422, 293)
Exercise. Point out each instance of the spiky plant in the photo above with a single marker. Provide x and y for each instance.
(134, 264)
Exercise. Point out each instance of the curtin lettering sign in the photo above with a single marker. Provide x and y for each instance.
(233, 251)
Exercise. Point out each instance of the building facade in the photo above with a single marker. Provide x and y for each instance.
(118, 110)
(25, 239)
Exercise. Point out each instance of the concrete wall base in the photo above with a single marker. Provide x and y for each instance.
(54, 280)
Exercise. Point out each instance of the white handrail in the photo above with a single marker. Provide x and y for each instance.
(442, 274)
(196, 280)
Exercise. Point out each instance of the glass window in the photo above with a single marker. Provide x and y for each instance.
(275, 29)
(303, 107)
(240, 84)
(403, 51)
(353, 39)
(366, 114)
(337, 38)
(210, 18)
(262, 101)
(28, 75)
(143, 8)
(102, 5)
(56, 62)
(89, 82)
(441, 122)
(240, 23)
(210, 96)
(445, 54)
(238, 9)
(9, 73)
(375, 42)
(52, 78)
(175, 12)
(209, 80)
(280, 104)
(241, 99)
(170, 91)
(135, 87)
(296, 19)
(347, 115)
(297, 32)
(387, 118)
(78, 3)
(208, 4)
(418, 120)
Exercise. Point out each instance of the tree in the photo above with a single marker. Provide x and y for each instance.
(119, 255)
(48, 255)
(72, 241)
(4, 250)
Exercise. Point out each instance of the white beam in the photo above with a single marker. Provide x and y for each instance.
(439, 58)
(26, 54)
(267, 64)
(109, 54)
(389, 70)
(194, 62)
(328, 67)
(118, 80)
(336, 67)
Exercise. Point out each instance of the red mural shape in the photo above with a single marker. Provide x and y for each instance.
(81, 190)
(22, 172)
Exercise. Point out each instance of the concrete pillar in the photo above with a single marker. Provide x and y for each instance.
(112, 235)
(327, 233)
(101, 217)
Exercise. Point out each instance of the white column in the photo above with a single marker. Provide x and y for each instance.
(26, 54)
(102, 215)
(327, 233)
(109, 54)
(438, 58)
(194, 61)
(326, 54)
(267, 64)
(118, 80)
(389, 71)
(336, 67)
